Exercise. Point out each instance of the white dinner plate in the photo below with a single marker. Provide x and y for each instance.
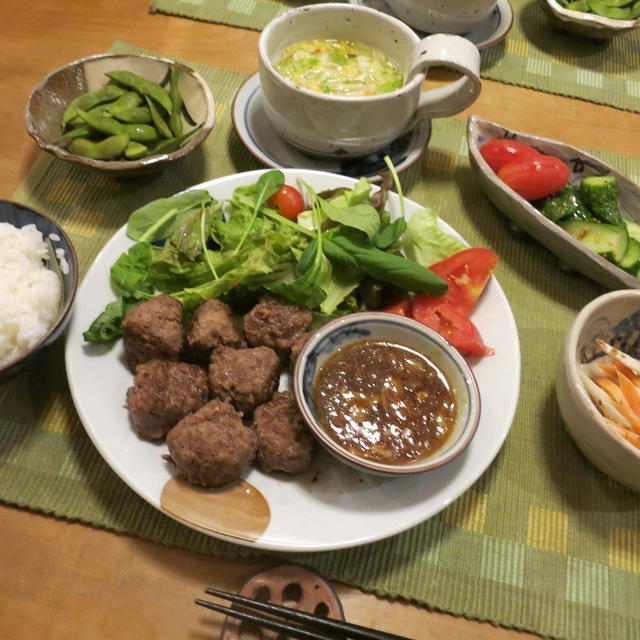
(263, 142)
(331, 506)
(490, 31)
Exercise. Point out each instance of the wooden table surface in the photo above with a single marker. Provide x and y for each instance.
(67, 580)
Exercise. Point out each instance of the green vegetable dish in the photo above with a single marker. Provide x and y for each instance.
(615, 9)
(591, 214)
(343, 254)
(339, 67)
(129, 118)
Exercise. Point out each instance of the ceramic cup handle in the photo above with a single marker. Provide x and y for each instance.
(454, 53)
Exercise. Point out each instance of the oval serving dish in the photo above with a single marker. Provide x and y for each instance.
(526, 217)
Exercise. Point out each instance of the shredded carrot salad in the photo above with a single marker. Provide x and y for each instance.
(613, 383)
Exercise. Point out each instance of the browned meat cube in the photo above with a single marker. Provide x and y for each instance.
(212, 325)
(297, 346)
(153, 329)
(212, 446)
(163, 392)
(275, 323)
(244, 377)
(284, 440)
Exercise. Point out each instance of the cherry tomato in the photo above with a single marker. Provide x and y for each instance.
(499, 151)
(287, 201)
(450, 324)
(401, 308)
(534, 178)
(466, 274)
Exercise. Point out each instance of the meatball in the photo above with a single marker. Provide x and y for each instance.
(297, 346)
(212, 325)
(212, 447)
(284, 441)
(153, 329)
(244, 377)
(275, 323)
(163, 392)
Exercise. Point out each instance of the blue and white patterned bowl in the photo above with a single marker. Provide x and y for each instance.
(615, 318)
(66, 265)
(394, 328)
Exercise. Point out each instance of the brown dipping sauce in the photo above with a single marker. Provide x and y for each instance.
(384, 401)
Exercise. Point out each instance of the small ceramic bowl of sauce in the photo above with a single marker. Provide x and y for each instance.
(385, 394)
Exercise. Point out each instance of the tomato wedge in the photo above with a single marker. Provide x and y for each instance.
(450, 324)
(466, 274)
(500, 151)
(400, 308)
(287, 201)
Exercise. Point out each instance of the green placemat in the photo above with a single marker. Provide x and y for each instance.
(543, 541)
(534, 54)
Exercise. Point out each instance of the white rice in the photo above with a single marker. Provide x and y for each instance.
(29, 292)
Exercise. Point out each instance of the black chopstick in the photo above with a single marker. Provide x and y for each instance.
(337, 629)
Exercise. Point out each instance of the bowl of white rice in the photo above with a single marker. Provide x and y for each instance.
(38, 282)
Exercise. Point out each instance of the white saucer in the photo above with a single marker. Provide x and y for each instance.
(488, 32)
(257, 135)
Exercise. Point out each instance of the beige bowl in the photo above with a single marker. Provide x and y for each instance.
(588, 24)
(48, 100)
(614, 317)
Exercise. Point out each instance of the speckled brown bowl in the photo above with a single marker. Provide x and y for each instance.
(590, 25)
(48, 100)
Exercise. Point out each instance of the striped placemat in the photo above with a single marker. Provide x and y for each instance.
(543, 541)
(534, 54)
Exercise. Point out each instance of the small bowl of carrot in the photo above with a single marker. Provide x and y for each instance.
(598, 384)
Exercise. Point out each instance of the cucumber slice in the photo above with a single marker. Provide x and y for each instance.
(633, 228)
(631, 258)
(607, 240)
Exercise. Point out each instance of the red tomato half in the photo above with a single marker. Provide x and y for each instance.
(287, 201)
(534, 178)
(499, 151)
(400, 308)
(450, 324)
(466, 274)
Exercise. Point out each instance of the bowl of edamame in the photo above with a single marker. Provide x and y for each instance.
(121, 113)
(597, 19)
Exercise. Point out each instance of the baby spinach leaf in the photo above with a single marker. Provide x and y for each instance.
(360, 216)
(389, 233)
(106, 327)
(267, 184)
(130, 272)
(159, 218)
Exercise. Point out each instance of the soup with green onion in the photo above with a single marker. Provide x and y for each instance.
(339, 67)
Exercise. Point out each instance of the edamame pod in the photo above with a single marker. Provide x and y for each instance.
(81, 131)
(136, 115)
(158, 121)
(108, 149)
(175, 120)
(91, 99)
(135, 150)
(112, 127)
(171, 144)
(143, 86)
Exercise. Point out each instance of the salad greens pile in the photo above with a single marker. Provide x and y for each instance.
(194, 248)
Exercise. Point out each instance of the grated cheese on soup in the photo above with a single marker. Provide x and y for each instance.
(29, 292)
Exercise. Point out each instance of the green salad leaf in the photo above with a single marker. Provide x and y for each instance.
(195, 248)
